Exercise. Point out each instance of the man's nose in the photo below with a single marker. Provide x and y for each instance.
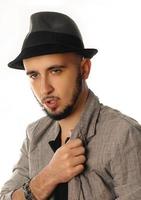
(46, 87)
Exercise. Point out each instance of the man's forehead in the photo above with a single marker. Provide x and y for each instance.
(52, 59)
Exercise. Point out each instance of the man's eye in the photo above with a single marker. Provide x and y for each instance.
(33, 76)
(56, 71)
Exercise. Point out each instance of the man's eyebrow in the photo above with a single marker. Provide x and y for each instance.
(28, 72)
(56, 66)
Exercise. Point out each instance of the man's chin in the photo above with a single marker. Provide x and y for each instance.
(60, 115)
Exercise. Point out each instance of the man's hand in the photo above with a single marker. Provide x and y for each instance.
(67, 162)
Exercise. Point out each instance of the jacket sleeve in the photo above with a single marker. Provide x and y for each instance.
(126, 164)
(20, 174)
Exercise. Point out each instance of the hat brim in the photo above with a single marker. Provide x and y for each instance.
(47, 49)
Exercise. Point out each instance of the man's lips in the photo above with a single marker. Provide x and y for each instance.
(51, 103)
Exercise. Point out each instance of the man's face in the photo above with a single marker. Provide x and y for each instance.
(56, 82)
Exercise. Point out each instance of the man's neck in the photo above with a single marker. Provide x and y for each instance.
(71, 121)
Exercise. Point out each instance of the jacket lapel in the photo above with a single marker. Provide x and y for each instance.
(85, 130)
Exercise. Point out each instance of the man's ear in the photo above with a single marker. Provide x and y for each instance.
(85, 68)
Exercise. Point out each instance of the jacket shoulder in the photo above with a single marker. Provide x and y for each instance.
(113, 116)
(118, 126)
(118, 129)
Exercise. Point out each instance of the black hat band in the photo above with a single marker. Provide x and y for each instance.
(46, 37)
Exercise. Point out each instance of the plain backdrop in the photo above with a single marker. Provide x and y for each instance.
(112, 26)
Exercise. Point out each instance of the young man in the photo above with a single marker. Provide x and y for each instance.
(80, 149)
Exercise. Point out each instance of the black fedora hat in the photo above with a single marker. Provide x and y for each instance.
(51, 32)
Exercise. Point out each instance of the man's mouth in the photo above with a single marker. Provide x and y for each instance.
(51, 103)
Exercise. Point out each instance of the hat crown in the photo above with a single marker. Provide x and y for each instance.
(51, 33)
(54, 22)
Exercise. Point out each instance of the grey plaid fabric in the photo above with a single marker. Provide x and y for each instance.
(113, 149)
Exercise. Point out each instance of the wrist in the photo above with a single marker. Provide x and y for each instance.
(43, 184)
(27, 191)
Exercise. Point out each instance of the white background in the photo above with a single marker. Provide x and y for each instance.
(112, 26)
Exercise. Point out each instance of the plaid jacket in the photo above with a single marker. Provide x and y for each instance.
(113, 146)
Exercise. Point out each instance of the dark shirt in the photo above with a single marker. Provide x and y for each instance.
(61, 191)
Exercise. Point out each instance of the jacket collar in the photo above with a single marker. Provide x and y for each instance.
(85, 128)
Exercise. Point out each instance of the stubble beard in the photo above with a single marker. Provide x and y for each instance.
(68, 109)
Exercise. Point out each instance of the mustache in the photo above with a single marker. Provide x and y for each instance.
(49, 98)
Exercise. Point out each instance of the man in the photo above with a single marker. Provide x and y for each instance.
(81, 150)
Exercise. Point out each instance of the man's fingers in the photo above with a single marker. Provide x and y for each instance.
(78, 160)
(78, 151)
(78, 169)
(73, 143)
